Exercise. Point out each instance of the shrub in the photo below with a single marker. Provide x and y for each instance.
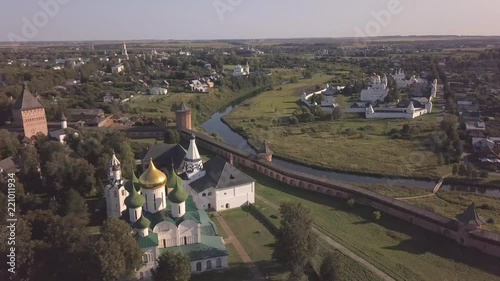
(273, 216)
(396, 136)
(486, 206)
(252, 120)
(377, 215)
(491, 221)
(484, 174)
(351, 202)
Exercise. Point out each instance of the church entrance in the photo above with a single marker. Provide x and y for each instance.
(227, 206)
(209, 205)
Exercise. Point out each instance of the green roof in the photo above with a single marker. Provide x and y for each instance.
(134, 199)
(178, 195)
(134, 182)
(210, 247)
(192, 213)
(142, 223)
(149, 241)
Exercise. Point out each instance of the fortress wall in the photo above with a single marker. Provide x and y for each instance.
(486, 242)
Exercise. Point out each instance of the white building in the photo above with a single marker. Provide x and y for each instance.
(118, 69)
(328, 101)
(124, 51)
(216, 184)
(399, 112)
(241, 71)
(158, 91)
(164, 222)
(377, 91)
(60, 134)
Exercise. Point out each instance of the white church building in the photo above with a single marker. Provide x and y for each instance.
(376, 91)
(241, 70)
(164, 217)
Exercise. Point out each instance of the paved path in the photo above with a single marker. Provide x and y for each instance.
(338, 247)
(231, 238)
(416, 197)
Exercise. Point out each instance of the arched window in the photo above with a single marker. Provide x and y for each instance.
(185, 240)
(204, 194)
(209, 264)
(227, 206)
(145, 258)
(210, 194)
(218, 263)
(198, 266)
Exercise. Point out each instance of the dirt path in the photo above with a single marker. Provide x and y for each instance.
(338, 247)
(231, 238)
(416, 197)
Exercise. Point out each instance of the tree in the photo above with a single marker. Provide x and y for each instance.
(172, 136)
(295, 241)
(9, 144)
(116, 251)
(454, 169)
(172, 267)
(329, 268)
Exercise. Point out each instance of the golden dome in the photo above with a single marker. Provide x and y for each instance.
(152, 178)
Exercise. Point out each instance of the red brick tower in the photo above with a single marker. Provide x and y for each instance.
(30, 113)
(183, 117)
(265, 152)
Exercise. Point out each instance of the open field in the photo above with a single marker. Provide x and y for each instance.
(446, 203)
(349, 269)
(353, 144)
(401, 250)
(256, 240)
(237, 270)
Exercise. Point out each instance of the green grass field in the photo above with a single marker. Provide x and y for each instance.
(349, 269)
(401, 250)
(366, 147)
(446, 203)
(256, 240)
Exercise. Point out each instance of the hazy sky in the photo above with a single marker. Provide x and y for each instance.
(230, 19)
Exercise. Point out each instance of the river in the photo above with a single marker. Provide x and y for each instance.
(215, 125)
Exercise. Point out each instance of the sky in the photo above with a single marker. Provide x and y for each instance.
(76, 20)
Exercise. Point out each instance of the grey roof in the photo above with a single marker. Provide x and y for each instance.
(163, 154)
(183, 107)
(9, 165)
(265, 148)
(87, 115)
(219, 175)
(26, 100)
(470, 216)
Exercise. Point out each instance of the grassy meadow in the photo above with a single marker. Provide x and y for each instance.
(353, 144)
(401, 250)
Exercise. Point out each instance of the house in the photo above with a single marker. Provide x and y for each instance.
(487, 151)
(475, 129)
(118, 69)
(89, 117)
(158, 91)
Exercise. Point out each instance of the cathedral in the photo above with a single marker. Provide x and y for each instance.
(168, 213)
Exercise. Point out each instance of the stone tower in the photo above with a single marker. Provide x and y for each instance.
(265, 152)
(183, 117)
(30, 113)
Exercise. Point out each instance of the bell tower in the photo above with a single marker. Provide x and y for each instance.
(183, 117)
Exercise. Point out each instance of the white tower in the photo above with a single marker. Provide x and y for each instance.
(115, 170)
(192, 164)
(177, 196)
(64, 122)
(247, 69)
(124, 50)
(153, 189)
(115, 190)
